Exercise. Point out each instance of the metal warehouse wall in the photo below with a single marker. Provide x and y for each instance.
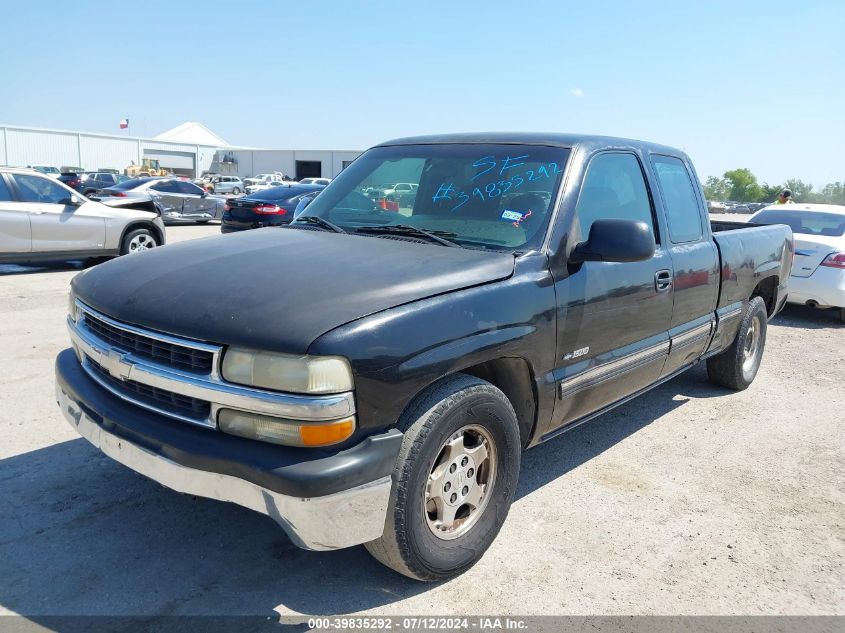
(31, 146)
(21, 146)
(251, 162)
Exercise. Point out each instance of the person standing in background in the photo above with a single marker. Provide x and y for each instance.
(785, 197)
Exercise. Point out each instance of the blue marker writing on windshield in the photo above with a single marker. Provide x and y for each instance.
(510, 163)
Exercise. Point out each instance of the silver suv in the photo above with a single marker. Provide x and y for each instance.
(225, 184)
(43, 219)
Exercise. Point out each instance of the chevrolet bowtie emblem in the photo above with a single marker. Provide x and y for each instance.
(114, 363)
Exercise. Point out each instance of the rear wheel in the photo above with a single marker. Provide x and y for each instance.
(138, 241)
(737, 366)
(236, 191)
(454, 479)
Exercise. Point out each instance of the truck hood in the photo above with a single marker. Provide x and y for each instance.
(277, 289)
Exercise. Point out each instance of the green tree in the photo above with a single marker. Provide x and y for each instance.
(716, 189)
(743, 185)
(769, 193)
(801, 191)
(833, 193)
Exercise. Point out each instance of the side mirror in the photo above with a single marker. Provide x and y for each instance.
(204, 194)
(616, 240)
(300, 206)
(73, 201)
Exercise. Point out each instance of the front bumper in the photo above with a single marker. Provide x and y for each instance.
(323, 501)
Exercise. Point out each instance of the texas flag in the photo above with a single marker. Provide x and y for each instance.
(124, 123)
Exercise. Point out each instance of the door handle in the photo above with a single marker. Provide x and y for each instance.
(662, 280)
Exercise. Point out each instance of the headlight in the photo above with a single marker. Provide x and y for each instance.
(287, 372)
(268, 428)
(71, 305)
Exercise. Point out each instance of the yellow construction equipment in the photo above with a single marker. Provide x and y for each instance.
(148, 167)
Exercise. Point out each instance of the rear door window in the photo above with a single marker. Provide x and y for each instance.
(188, 188)
(682, 209)
(5, 194)
(168, 186)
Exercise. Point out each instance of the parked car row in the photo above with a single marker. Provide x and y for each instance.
(736, 207)
(272, 206)
(42, 218)
(177, 199)
(402, 193)
(234, 185)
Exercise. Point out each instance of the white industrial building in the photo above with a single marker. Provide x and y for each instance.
(190, 149)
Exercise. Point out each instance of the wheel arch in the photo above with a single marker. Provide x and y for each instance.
(513, 376)
(141, 224)
(767, 290)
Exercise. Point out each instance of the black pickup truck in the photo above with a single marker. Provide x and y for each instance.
(371, 374)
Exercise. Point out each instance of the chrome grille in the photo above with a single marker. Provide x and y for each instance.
(162, 352)
(180, 377)
(154, 397)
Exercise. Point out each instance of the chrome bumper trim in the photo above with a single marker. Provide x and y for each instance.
(343, 519)
(129, 366)
(693, 335)
(611, 369)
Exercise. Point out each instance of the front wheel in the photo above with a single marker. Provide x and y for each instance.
(138, 241)
(736, 367)
(454, 479)
(236, 191)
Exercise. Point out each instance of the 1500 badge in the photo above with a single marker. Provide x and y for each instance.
(578, 353)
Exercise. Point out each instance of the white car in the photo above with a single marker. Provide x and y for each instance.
(43, 219)
(265, 178)
(315, 181)
(818, 268)
(47, 170)
(261, 186)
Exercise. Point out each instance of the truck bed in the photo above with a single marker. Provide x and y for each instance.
(719, 226)
(749, 253)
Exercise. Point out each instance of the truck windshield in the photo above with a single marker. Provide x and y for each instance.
(493, 196)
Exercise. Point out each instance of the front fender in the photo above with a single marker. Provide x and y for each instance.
(397, 353)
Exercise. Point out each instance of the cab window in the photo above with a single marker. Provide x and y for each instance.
(682, 210)
(614, 188)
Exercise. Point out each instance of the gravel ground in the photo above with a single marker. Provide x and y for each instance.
(688, 500)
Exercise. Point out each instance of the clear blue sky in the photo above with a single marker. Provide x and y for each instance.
(736, 84)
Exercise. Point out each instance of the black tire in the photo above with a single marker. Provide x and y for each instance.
(455, 405)
(131, 239)
(842, 315)
(202, 221)
(235, 191)
(736, 367)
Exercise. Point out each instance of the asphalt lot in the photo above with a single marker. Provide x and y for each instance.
(688, 500)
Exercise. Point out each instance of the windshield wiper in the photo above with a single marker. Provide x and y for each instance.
(316, 219)
(407, 229)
